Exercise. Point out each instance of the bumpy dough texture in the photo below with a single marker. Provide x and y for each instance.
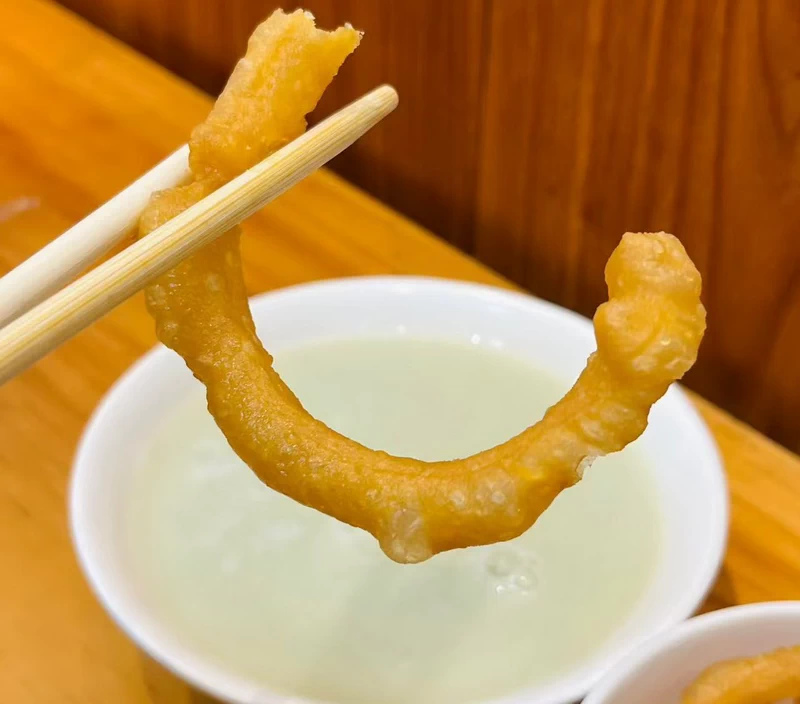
(764, 679)
(648, 335)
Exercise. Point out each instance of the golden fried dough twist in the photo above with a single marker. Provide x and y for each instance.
(648, 335)
(764, 679)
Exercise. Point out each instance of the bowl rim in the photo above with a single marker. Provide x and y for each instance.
(658, 646)
(219, 682)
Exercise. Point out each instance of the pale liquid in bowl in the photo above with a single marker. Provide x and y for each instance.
(310, 607)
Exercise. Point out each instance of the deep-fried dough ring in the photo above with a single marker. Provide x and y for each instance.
(764, 679)
(647, 334)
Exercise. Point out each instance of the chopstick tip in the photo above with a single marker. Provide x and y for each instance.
(387, 94)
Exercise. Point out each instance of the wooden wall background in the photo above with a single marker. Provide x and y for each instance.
(532, 133)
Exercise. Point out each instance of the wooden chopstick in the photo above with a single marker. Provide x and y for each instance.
(57, 263)
(69, 311)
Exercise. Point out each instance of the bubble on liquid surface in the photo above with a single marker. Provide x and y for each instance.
(513, 571)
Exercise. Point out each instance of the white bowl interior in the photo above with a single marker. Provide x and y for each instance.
(678, 447)
(667, 665)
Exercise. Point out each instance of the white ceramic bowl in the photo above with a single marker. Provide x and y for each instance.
(660, 670)
(680, 451)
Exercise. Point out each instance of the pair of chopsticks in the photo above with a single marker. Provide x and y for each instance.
(32, 332)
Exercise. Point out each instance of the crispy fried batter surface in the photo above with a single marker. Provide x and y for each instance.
(764, 679)
(648, 334)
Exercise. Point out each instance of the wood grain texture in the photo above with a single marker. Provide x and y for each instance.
(79, 122)
(430, 51)
(72, 309)
(75, 250)
(681, 115)
(535, 132)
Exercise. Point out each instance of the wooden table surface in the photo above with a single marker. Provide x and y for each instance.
(80, 117)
